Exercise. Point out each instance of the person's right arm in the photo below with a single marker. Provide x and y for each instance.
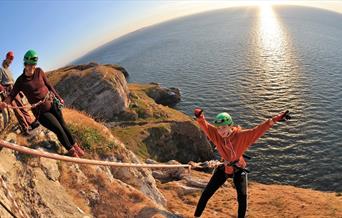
(14, 92)
(209, 129)
(10, 97)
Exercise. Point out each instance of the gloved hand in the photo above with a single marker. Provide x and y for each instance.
(193, 164)
(198, 112)
(214, 163)
(284, 116)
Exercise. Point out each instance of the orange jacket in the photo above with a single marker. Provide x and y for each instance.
(231, 148)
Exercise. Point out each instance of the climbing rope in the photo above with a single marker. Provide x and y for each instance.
(39, 153)
(26, 106)
(9, 196)
(48, 95)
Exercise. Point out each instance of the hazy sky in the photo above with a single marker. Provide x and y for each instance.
(61, 31)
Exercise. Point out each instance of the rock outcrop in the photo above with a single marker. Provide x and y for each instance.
(99, 90)
(164, 96)
(180, 141)
(33, 184)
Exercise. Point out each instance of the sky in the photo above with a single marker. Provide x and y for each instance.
(62, 31)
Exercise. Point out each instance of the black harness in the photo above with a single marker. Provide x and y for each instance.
(236, 167)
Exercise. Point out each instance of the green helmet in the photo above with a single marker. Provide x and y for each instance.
(223, 119)
(31, 57)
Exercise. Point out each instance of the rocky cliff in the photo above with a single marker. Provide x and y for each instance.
(99, 90)
(49, 188)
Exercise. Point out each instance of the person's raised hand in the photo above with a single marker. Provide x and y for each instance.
(198, 112)
(284, 116)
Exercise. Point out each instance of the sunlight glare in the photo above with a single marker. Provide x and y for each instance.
(271, 35)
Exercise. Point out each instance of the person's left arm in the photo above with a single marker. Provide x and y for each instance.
(250, 136)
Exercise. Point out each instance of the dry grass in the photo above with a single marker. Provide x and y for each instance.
(132, 137)
(115, 199)
(22, 141)
(79, 71)
(73, 188)
(92, 135)
(82, 119)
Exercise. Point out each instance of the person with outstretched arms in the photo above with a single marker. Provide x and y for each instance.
(231, 142)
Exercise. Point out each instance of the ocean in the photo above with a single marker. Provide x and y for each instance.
(253, 63)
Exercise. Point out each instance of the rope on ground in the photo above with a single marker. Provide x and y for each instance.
(9, 196)
(39, 153)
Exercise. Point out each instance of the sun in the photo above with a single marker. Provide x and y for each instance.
(266, 10)
(264, 4)
(268, 4)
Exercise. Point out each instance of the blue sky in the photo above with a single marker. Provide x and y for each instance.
(61, 31)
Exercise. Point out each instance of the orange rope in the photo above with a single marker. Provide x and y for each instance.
(38, 153)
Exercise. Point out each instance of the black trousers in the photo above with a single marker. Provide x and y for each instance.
(217, 180)
(54, 121)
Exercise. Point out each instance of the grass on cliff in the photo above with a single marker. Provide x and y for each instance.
(91, 135)
(147, 109)
(150, 115)
(76, 70)
(90, 138)
(133, 137)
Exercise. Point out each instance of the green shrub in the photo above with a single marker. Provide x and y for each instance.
(91, 139)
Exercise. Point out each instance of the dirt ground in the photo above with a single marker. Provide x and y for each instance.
(263, 201)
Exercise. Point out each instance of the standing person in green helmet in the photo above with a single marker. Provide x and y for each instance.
(34, 84)
(231, 142)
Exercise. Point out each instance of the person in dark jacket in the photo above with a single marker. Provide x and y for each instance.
(37, 89)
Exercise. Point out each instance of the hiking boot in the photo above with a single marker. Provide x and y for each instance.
(35, 124)
(79, 150)
(72, 152)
